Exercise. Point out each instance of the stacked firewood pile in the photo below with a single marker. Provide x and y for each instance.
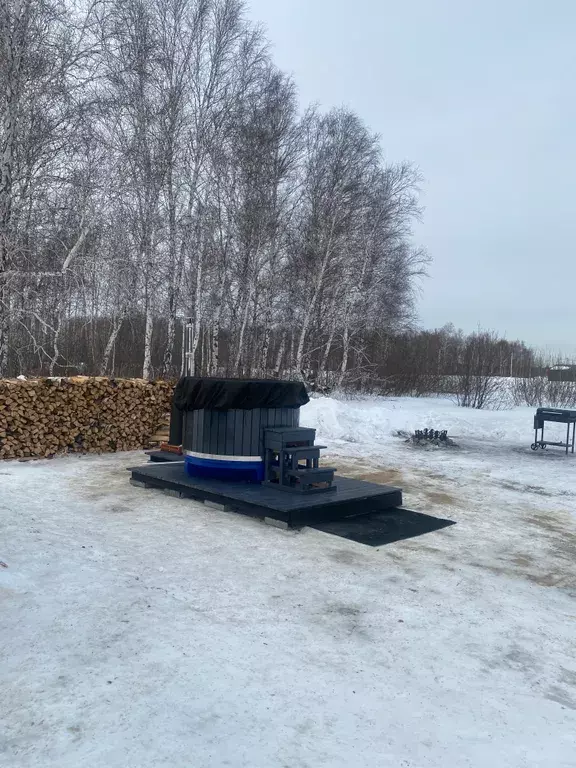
(44, 417)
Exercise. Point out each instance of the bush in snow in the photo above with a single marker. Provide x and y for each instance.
(540, 392)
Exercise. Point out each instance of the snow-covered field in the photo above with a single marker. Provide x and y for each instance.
(140, 630)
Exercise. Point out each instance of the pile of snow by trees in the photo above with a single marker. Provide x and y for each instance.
(156, 164)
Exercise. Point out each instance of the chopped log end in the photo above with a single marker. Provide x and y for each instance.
(41, 418)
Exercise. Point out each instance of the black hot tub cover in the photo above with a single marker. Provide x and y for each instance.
(194, 394)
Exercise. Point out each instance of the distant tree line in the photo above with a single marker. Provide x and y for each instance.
(154, 165)
(423, 362)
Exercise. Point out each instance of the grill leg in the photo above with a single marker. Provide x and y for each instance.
(573, 435)
(567, 438)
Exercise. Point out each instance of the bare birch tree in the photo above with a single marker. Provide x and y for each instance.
(153, 166)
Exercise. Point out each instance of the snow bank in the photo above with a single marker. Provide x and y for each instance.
(492, 444)
(374, 420)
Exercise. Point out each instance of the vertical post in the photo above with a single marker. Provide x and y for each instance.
(573, 435)
(183, 369)
(267, 463)
(568, 438)
(188, 347)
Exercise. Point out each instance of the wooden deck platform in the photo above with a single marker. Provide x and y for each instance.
(351, 497)
(163, 456)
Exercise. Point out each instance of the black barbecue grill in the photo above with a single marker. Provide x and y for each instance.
(557, 415)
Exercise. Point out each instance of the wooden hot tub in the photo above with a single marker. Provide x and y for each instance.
(223, 423)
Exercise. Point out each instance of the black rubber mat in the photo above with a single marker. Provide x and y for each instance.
(384, 527)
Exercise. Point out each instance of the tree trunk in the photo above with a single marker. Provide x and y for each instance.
(291, 365)
(4, 330)
(203, 351)
(242, 333)
(306, 322)
(312, 303)
(326, 354)
(7, 160)
(56, 355)
(170, 338)
(196, 316)
(117, 324)
(175, 270)
(214, 348)
(215, 331)
(280, 354)
(149, 326)
(345, 353)
(265, 348)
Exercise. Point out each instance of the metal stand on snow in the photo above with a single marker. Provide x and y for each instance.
(559, 416)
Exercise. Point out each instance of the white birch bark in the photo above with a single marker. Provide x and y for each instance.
(110, 344)
(148, 329)
(12, 33)
(280, 355)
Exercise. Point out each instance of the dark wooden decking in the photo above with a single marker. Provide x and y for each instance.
(351, 497)
(159, 456)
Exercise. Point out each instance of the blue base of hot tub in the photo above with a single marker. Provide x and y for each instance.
(220, 469)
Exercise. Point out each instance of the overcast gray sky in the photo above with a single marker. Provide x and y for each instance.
(481, 96)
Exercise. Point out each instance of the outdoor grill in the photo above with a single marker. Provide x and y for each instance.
(559, 416)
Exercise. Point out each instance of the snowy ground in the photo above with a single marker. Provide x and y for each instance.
(140, 630)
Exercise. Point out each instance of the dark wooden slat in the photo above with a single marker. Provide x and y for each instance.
(212, 445)
(255, 437)
(238, 426)
(199, 431)
(221, 444)
(246, 433)
(207, 431)
(229, 432)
